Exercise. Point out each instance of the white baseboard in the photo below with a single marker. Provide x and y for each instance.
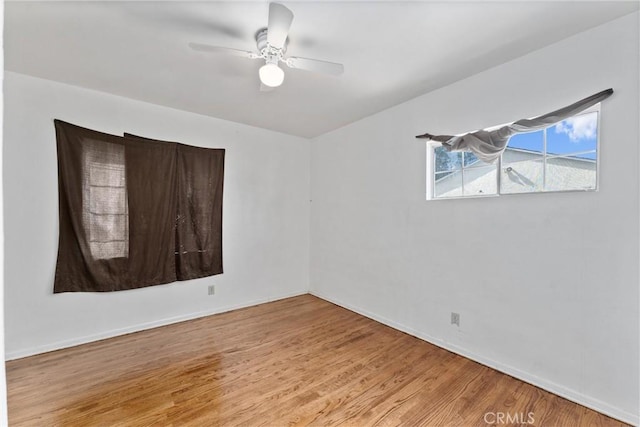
(30, 351)
(567, 393)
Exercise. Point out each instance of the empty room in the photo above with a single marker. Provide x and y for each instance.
(358, 213)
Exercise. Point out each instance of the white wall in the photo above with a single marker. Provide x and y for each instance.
(265, 217)
(546, 284)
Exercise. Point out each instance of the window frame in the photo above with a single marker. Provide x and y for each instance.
(431, 146)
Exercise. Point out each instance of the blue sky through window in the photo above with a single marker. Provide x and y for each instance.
(575, 134)
(532, 141)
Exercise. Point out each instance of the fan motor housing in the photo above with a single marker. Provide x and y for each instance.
(261, 41)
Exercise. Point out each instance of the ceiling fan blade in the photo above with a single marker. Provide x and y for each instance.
(224, 50)
(280, 19)
(315, 65)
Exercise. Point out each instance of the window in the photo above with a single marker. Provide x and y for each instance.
(105, 205)
(562, 157)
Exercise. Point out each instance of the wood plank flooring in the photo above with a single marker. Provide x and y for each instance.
(297, 361)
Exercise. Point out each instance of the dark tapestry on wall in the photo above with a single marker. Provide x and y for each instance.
(135, 212)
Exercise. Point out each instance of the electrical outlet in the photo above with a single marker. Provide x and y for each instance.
(455, 318)
(212, 289)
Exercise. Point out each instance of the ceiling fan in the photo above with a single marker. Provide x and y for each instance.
(272, 45)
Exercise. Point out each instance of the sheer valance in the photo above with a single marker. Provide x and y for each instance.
(488, 145)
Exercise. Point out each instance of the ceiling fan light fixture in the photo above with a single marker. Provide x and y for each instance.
(271, 43)
(271, 75)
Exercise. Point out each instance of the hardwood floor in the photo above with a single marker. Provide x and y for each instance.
(297, 361)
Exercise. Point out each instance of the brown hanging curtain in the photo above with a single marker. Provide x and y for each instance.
(199, 178)
(118, 203)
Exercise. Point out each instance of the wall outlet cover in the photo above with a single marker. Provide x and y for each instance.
(455, 319)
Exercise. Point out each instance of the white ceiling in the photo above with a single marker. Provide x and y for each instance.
(392, 51)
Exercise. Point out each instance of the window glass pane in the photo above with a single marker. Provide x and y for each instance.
(104, 200)
(479, 181)
(106, 250)
(109, 228)
(574, 135)
(469, 159)
(524, 176)
(107, 174)
(448, 184)
(570, 173)
(446, 161)
(107, 200)
(528, 142)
